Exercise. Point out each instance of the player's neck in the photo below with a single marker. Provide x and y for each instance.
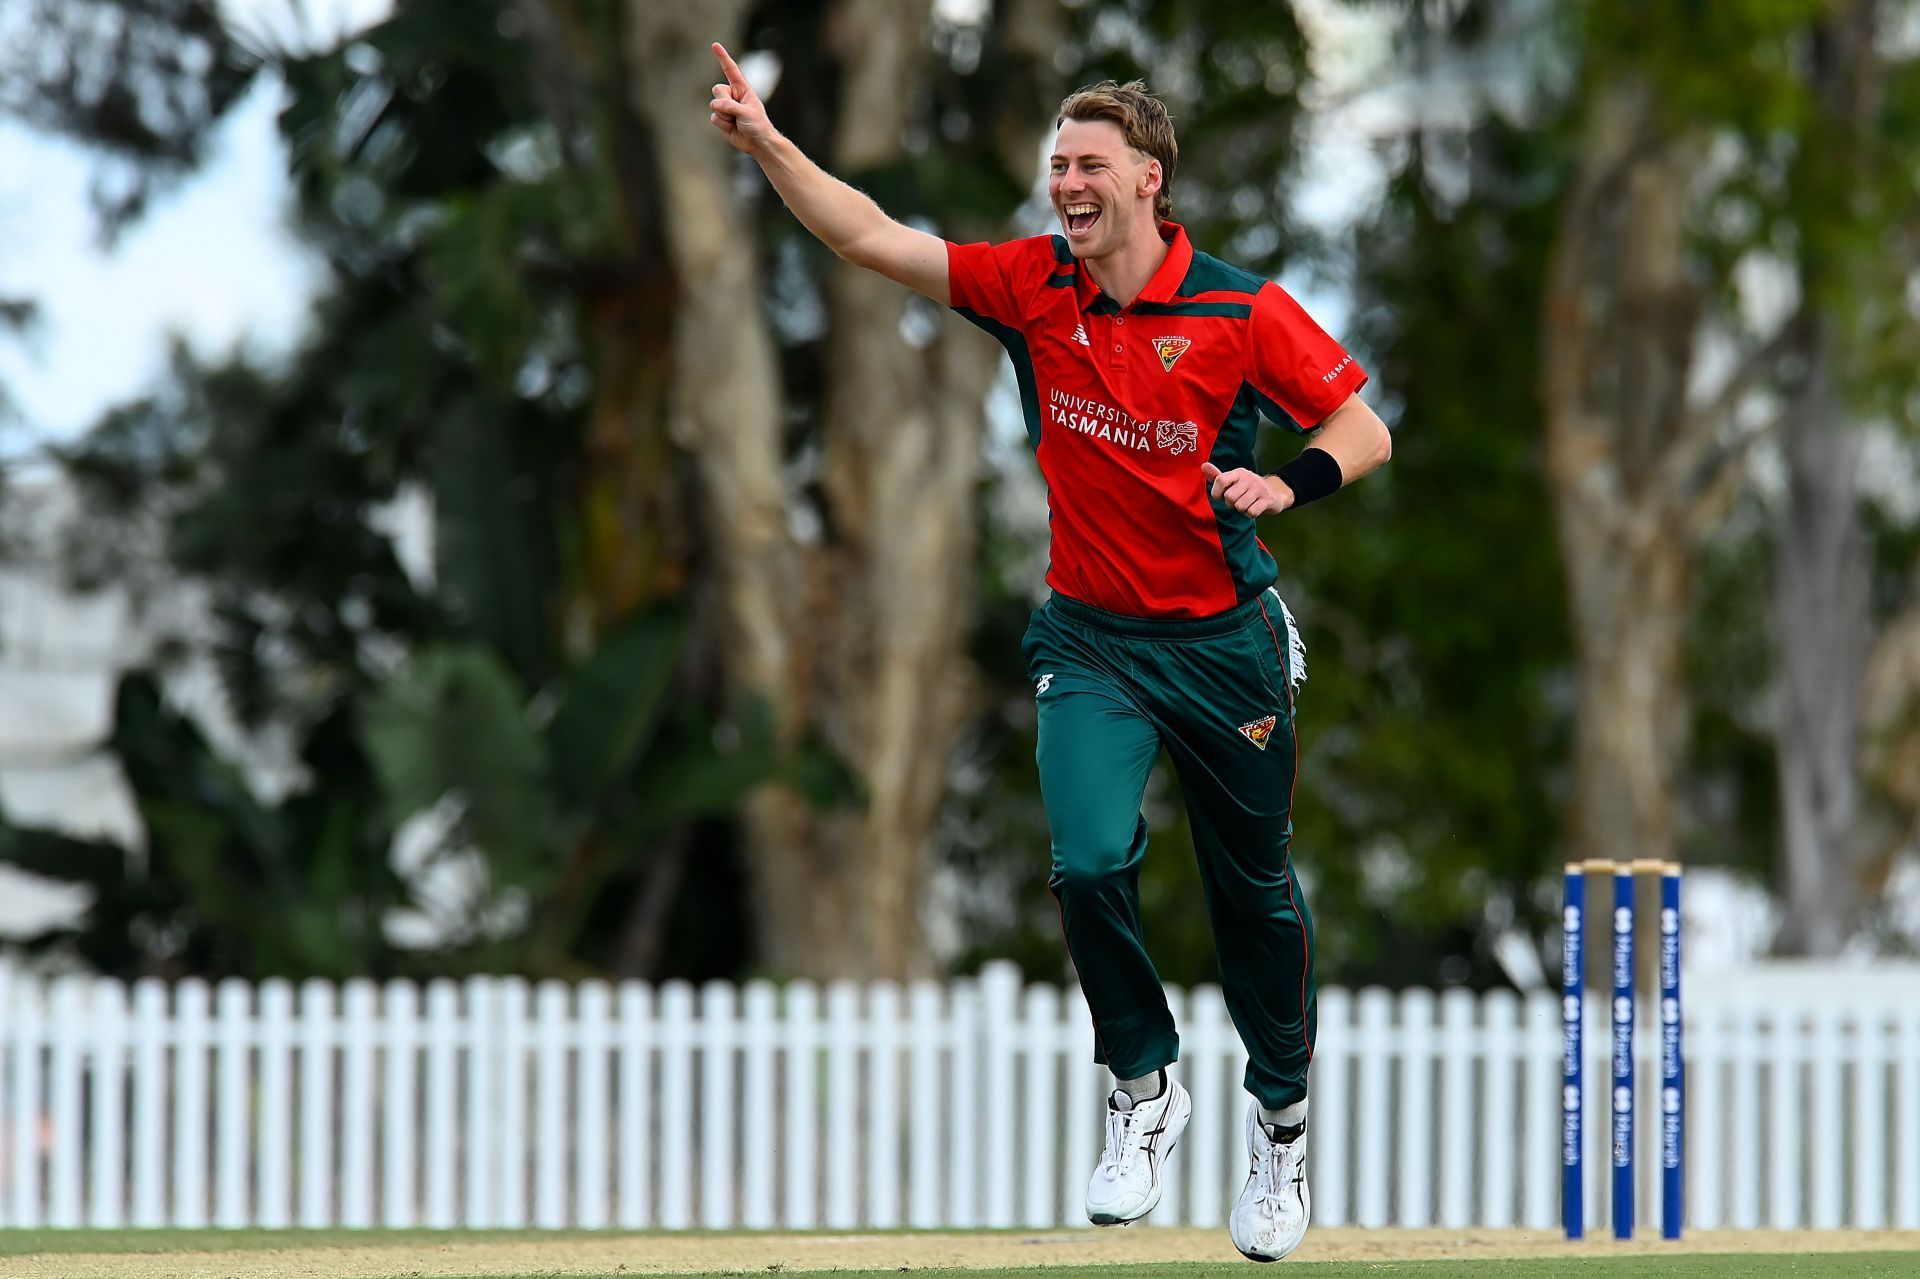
(1123, 273)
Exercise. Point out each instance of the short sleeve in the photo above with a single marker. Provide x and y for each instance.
(1292, 362)
(998, 281)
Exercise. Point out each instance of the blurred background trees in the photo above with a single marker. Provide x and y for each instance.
(621, 585)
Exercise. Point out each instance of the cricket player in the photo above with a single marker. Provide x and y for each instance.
(1144, 368)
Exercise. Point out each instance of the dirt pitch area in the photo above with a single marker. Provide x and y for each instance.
(521, 1257)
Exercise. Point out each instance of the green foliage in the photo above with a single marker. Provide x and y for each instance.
(143, 83)
(469, 226)
(225, 883)
(452, 724)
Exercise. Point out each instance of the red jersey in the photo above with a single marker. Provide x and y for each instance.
(1123, 404)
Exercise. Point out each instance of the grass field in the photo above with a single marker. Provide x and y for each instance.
(1128, 1254)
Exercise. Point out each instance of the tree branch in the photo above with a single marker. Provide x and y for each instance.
(1694, 467)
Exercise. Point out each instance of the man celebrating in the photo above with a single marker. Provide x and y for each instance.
(1144, 368)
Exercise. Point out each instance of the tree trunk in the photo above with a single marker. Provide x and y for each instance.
(856, 634)
(1620, 331)
(1823, 625)
(1823, 631)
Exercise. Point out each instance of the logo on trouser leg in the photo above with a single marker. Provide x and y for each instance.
(1046, 681)
(1259, 730)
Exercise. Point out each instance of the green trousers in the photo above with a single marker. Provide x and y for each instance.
(1216, 693)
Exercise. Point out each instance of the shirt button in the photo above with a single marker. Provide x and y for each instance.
(1116, 348)
(1119, 319)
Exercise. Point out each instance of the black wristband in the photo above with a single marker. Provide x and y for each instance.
(1311, 476)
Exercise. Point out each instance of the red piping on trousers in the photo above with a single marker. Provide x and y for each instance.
(1293, 726)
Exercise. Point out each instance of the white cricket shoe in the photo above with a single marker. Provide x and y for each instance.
(1270, 1219)
(1140, 1136)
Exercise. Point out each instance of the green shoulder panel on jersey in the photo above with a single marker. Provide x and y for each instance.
(1209, 274)
(1062, 255)
(1021, 357)
(1275, 414)
(1223, 310)
(1252, 568)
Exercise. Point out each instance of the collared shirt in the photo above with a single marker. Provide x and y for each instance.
(1123, 403)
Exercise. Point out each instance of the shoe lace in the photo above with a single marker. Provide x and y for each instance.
(1125, 1137)
(1276, 1172)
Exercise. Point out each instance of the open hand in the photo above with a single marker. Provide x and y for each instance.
(736, 110)
(1246, 491)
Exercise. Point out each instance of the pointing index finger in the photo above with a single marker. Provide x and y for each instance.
(732, 68)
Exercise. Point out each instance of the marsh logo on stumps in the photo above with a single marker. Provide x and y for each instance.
(1170, 349)
(1259, 730)
(1177, 437)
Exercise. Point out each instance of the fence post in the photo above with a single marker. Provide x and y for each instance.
(1744, 1049)
(358, 1020)
(1415, 1154)
(550, 1036)
(1332, 1110)
(1373, 1166)
(23, 1027)
(1705, 1093)
(1869, 1056)
(400, 1205)
(1216, 1109)
(1540, 1037)
(842, 1132)
(1499, 1017)
(1000, 1029)
(590, 1107)
(232, 1120)
(1041, 1105)
(716, 1105)
(1462, 1124)
(759, 1041)
(883, 1105)
(965, 1039)
(190, 1105)
(441, 1135)
(1906, 1209)
(106, 1205)
(927, 1108)
(634, 1165)
(1827, 1129)
(9, 1067)
(1786, 1197)
(676, 1105)
(479, 1154)
(1084, 1103)
(274, 1210)
(317, 1115)
(149, 1131)
(799, 1037)
(68, 1029)
(510, 1130)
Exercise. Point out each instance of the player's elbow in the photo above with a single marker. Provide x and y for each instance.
(1382, 443)
(871, 248)
(858, 250)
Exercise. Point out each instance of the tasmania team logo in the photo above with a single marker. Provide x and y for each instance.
(1171, 349)
(1258, 731)
(1177, 437)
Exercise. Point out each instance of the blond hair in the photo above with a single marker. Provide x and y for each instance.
(1143, 121)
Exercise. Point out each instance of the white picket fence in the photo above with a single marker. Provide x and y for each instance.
(972, 1103)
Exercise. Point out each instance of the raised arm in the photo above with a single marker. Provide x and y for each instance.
(845, 220)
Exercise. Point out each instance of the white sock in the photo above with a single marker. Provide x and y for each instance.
(1287, 1116)
(1145, 1088)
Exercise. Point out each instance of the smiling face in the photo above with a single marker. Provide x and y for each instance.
(1102, 189)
